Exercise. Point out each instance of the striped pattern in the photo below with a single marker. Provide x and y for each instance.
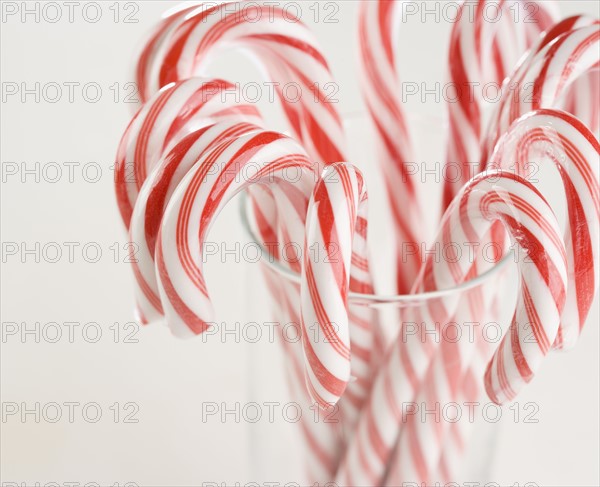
(453, 377)
(152, 201)
(580, 191)
(569, 53)
(542, 264)
(213, 179)
(555, 137)
(335, 261)
(541, 137)
(174, 112)
(581, 290)
(211, 182)
(482, 51)
(528, 218)
(323, 441)
(176, 135)
(380, 85)
(185, 43)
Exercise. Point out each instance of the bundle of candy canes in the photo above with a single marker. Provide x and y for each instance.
(183, 156)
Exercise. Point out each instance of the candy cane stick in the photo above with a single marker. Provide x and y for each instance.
(357, 330)
(194, 205)
(585, 108)
(282, 45)
(174, 112)
(336, 226)
(198, 199)
(526, 215)
(154, 45)
(378, 22)
(482, 52)
(459, 67)
(543, 80)
(205, 32)
(564, 141)
(567, 52)
(177, 110)
(153, 199)
(263, 40)
(335, 261)
(567, 143)
(550, 136)
(564, 27)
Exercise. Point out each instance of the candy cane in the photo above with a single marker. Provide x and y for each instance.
(153, 199)
(585, 108)
(278, 48)
(483, 52)
(321, 432)
(543, 80)
(564, 141)
(287, 50)
(174, 112)
(573, 306)
(195, 203)
(282, 45)
(153, 45)
(526, 216)
(555, 137)
(334, 261)
(198, 199)
(561, 58)
(381, 91)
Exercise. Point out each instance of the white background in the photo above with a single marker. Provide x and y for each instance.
(169, 379)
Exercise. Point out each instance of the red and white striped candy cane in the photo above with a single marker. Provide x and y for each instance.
(198, 199)
(567, 143)
(174, 112)
(575, 308)
(561, 139)
(564, 56)
(555, 137)
(543, 80)
(585, 108)
(484, 48)
(153, 199)
(282, 45)
(526, 215)
(542, 261)
(277, 47)
(195, 203)
(335, 261)
(377, 31)
(144, 70)
(515, 87)
(542, 23)
(322, 432)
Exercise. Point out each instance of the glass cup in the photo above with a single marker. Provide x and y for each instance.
(480, 311)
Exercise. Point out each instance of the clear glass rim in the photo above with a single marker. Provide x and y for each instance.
(369, 299)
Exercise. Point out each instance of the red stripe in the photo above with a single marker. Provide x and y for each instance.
(148, 125)
(194, 323)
